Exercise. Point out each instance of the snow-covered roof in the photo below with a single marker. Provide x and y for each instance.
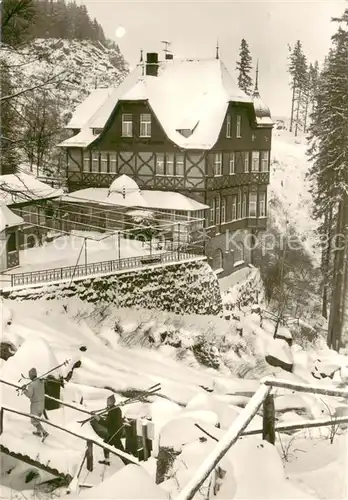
(169, 200)
(103, 196)
(160, 200)
(262, 111)
(123, 184)
(88, 108)
(8, 218)
(20, 188)
(187, 94)
(96, 117)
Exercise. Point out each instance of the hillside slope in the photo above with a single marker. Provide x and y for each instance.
(79, 66)
(289, 196)
(49, 78)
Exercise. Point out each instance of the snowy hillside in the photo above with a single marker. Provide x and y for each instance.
(80, 66)
(289, 196)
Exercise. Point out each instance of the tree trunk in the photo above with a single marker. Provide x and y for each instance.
(292, 106)
(339, 282)
(298, 111)
(325, 261)
(306, 115)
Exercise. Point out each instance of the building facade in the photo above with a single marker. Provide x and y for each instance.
(181, 126)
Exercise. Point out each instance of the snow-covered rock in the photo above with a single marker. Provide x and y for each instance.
(130, 483)
(279, 354)
(259, 472)
(182, 430)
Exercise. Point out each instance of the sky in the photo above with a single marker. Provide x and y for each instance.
(193, 28)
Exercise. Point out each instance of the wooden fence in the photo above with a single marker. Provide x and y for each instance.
(139, 433)
(262, 397)
(99, 268)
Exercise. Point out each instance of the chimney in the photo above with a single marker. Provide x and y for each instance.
(152, 64)
(169, 57)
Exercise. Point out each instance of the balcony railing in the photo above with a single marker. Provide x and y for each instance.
(104, 267)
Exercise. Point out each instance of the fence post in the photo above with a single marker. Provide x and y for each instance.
(268, 422)
(1, 420)
(89, 453)
(132, 438)
(145, 440)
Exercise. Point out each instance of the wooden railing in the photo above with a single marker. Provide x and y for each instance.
(261, 397)
(90, 441)
(103, 267)
(140, 431)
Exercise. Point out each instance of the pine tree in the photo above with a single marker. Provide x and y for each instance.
(244, 68)
(329, 173)
(8, 126)
(299, 83)
(310, 92)
(16, 19)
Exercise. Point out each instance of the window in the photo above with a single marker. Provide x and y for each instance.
(30, 215)
(11, 242)
(234, 207)
(103, 162)
(212, 213)
(255, 161)
(239, 127)
(217, 210)
(232, 163)
(145, 125)
(95, 161)
(252, 205)
(223, 211)
(239, 206)
(179, 165)
(113, 162)
(264, 161)
(97, 131)
(242, 251)
(228, 126)
(217, 164)
(244, 206)
(41, 216)
(246, 162)
(159, 164)
(86, 161)
(127, 125)
(262, 205)
(169, 163)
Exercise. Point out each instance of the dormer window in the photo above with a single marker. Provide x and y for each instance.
(127, 125)
(239, 127)
(97, 131)
(145, 125)
(228, 127)
(185, 132)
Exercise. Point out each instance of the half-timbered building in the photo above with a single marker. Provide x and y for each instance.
(184, 126)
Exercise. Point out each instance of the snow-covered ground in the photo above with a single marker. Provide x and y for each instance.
(48, 333)
(289, 196)
(208, 369)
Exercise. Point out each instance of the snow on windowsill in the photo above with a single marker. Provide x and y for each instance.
(219, 271)
(238, 263)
